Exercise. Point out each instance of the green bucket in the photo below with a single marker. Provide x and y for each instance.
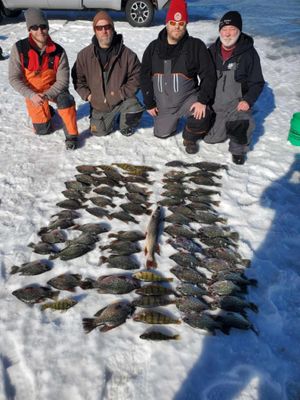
(294, 132)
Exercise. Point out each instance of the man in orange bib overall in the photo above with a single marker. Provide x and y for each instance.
(39, 71)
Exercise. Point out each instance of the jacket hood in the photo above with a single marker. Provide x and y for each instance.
(244, 43)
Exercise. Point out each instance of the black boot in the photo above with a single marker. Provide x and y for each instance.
(191, 147)
(127, 131)
(239, 159)
(71, 142)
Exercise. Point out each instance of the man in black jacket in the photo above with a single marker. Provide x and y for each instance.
(240, 82)
(178, 80)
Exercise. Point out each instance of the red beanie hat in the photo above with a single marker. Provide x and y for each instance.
(177, 11)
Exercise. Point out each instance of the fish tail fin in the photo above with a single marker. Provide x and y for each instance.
(87, 284)
(112, 235)
(31, 244)
(14, 269)
(44, 306)
(113, 205)
(234, 235)
(102, 260)
(89, 324)
(223, 220)
(176, 337)
(42, 231)
(54, 294)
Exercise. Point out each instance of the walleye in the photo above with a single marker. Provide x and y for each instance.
(151, 245)
(108, 317)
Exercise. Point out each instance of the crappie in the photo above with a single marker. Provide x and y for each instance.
(181, 243)
(101, 201)
(175, 163)
(123, 216)
(66, 215)
(132, 236)
(88, 169)
(151, 245)
(121, 262)
(186, 260)
(116, 284)
(58, 223)
(203, 180)
(70, 204)
(233, 320)
(74, 195)
(83, 187)
(224, 288)
(178, 219)
(94, 229)
(216, 231)
(190, 304)
(135, 209)
(203, 321)
(85, 238)
(236, 277)
(138, 198)
(97, 212)
(65, 282)
(188, 275)
(31, 268)
(35, 294)
(179, 230)
(189, 289)
(208, 166)
(72, 251)
(52, 237)
(123, 247)
(234, 303)
(132, 188)
(108, 191)
(108, 317)
(42, 248)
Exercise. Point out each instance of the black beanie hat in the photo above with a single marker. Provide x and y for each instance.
(231, 18)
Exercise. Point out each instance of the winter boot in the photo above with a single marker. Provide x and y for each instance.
(71, 142)
(127, 131)
(239, 159)
(191, 147)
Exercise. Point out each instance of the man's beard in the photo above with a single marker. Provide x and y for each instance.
(229, 42)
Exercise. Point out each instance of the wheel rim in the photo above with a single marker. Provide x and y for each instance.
(139, 12)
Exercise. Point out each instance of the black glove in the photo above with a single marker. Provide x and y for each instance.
(71, 142)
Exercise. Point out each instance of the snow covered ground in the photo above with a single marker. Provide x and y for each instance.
(46, 355)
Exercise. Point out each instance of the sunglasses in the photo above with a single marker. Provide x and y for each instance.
(100, 28)
(42, 27)
(175, 23)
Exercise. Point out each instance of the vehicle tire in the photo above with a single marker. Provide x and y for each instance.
(139, 12)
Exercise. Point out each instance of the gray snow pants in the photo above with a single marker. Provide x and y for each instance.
(165, 123)
(237, 126)
(130, 111)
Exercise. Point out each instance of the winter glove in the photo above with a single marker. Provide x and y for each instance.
(71, 142)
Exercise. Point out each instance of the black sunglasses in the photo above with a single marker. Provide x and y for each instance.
(107, 27)
(42, 27)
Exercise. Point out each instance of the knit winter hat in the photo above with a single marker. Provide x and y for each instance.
(177, 11)
(35, 16)
(102, 15)
(231, 18)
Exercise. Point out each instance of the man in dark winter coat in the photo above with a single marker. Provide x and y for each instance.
(240, 82)
(178, 80)
(106, 73)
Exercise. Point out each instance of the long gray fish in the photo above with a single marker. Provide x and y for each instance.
(151, 245)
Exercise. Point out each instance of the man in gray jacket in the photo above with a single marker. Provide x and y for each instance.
(106, 73)
(39, 71)
(240, 82)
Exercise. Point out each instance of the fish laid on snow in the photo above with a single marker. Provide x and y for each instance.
(155, 317)
(123, 216)
(35, 294)
(132, 236)
(31, 268)
(234, 303)
(116, 284)
(148, 276)
(56, 236)
(151, 245)
(123, 248)
(108, 317)
(62, 305)
(108, 191)
(157, 335)
(203, 321)
(72, 251)
(152, 301)
(65, 282)
(155, 290)
(135, 209)
(42, 248)
(121, 262)
(94, 229)
(70, 204)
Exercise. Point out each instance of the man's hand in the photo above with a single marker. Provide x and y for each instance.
(243, 106)
(153, 111)
(37, 99)
(89, 98)
(198, 109)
